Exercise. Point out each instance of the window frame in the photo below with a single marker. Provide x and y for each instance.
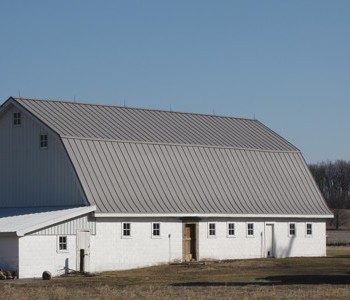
(307, 229)
(248, 230)
(228, 229)
(156, 236)
(124, 230)
(62, 243)
(211, 231)
(44, 141)
(17, 119)
(289, 229)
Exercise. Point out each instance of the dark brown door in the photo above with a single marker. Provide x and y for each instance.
(190, 242)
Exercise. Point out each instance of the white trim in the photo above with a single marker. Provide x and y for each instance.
(160, 231)
(58, 244)
(250, 235)
(228, 230)
(211, 236)
(295, 230)
(179, 215)
(130, 230)
(312, 229)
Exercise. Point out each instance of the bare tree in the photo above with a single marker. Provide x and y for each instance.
(333, 180)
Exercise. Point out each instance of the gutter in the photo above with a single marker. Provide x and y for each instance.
(190, 215)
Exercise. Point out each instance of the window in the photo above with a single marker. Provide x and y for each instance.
(62, 243)
(291, 229)
(17, 118)
(250, 229)
(43, 141)
(211, 229)
(156, 229)
(230, 229)
(126, 229)
(308, 229)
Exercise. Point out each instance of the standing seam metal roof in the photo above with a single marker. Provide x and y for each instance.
(131, 124)
(137, 161)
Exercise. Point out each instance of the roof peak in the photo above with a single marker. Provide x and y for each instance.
(133, 108)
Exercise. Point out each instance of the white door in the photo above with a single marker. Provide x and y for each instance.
(83, 251)
(269, 240)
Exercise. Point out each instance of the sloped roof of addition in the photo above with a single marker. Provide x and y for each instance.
(144, 162)
(20, 221)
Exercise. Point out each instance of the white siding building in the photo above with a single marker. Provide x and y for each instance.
(94, 188)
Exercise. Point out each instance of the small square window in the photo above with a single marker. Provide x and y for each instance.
(156, 229)
(212, 229)
(231, 229)
(17, 119)
(291, 229)
(44, 141)
(126, 229)
(250, 229)
(308, 229)
(62, 243)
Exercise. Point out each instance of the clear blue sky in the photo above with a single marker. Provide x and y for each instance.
(286, 62)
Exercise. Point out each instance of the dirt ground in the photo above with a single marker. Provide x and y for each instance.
(290, 278)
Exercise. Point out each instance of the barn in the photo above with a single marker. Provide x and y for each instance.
(96, 187)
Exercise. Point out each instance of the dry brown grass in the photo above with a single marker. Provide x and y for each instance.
(292, 278)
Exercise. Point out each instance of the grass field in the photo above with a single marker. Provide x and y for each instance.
(290, 278)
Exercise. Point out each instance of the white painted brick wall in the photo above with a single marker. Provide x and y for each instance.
(241, 246)
(39, 253)
(110, 251)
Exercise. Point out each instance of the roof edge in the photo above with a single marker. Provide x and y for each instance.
(83, 210)
(131, 107)
(192, 215)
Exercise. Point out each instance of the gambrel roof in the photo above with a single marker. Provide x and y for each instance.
(140, 161)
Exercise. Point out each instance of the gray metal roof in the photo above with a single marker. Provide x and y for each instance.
(20, 221)
(131, 124)
(136, 161)
(129, 177)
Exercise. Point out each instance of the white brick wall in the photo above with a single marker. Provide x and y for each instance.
(110, 251)
(241, 246)
(39, 253)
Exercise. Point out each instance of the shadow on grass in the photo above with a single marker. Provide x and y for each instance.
(278, 280)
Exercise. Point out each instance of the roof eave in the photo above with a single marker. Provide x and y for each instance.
(83, 211)
(194, 215)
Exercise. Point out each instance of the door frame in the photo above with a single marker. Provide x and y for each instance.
(87, 253)
(196, 232)
(272, 240)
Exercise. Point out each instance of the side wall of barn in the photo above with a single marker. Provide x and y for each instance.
(110, 249)
(113, 251)
(241, 245)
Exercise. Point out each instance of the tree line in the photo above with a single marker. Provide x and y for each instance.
(333, 180)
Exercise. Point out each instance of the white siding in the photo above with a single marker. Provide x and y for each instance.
(70, 227)
(30, 176)
(9, 253)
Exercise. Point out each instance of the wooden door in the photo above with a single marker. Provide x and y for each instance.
(190, 242)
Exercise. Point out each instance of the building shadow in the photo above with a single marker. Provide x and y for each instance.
(277, 280)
